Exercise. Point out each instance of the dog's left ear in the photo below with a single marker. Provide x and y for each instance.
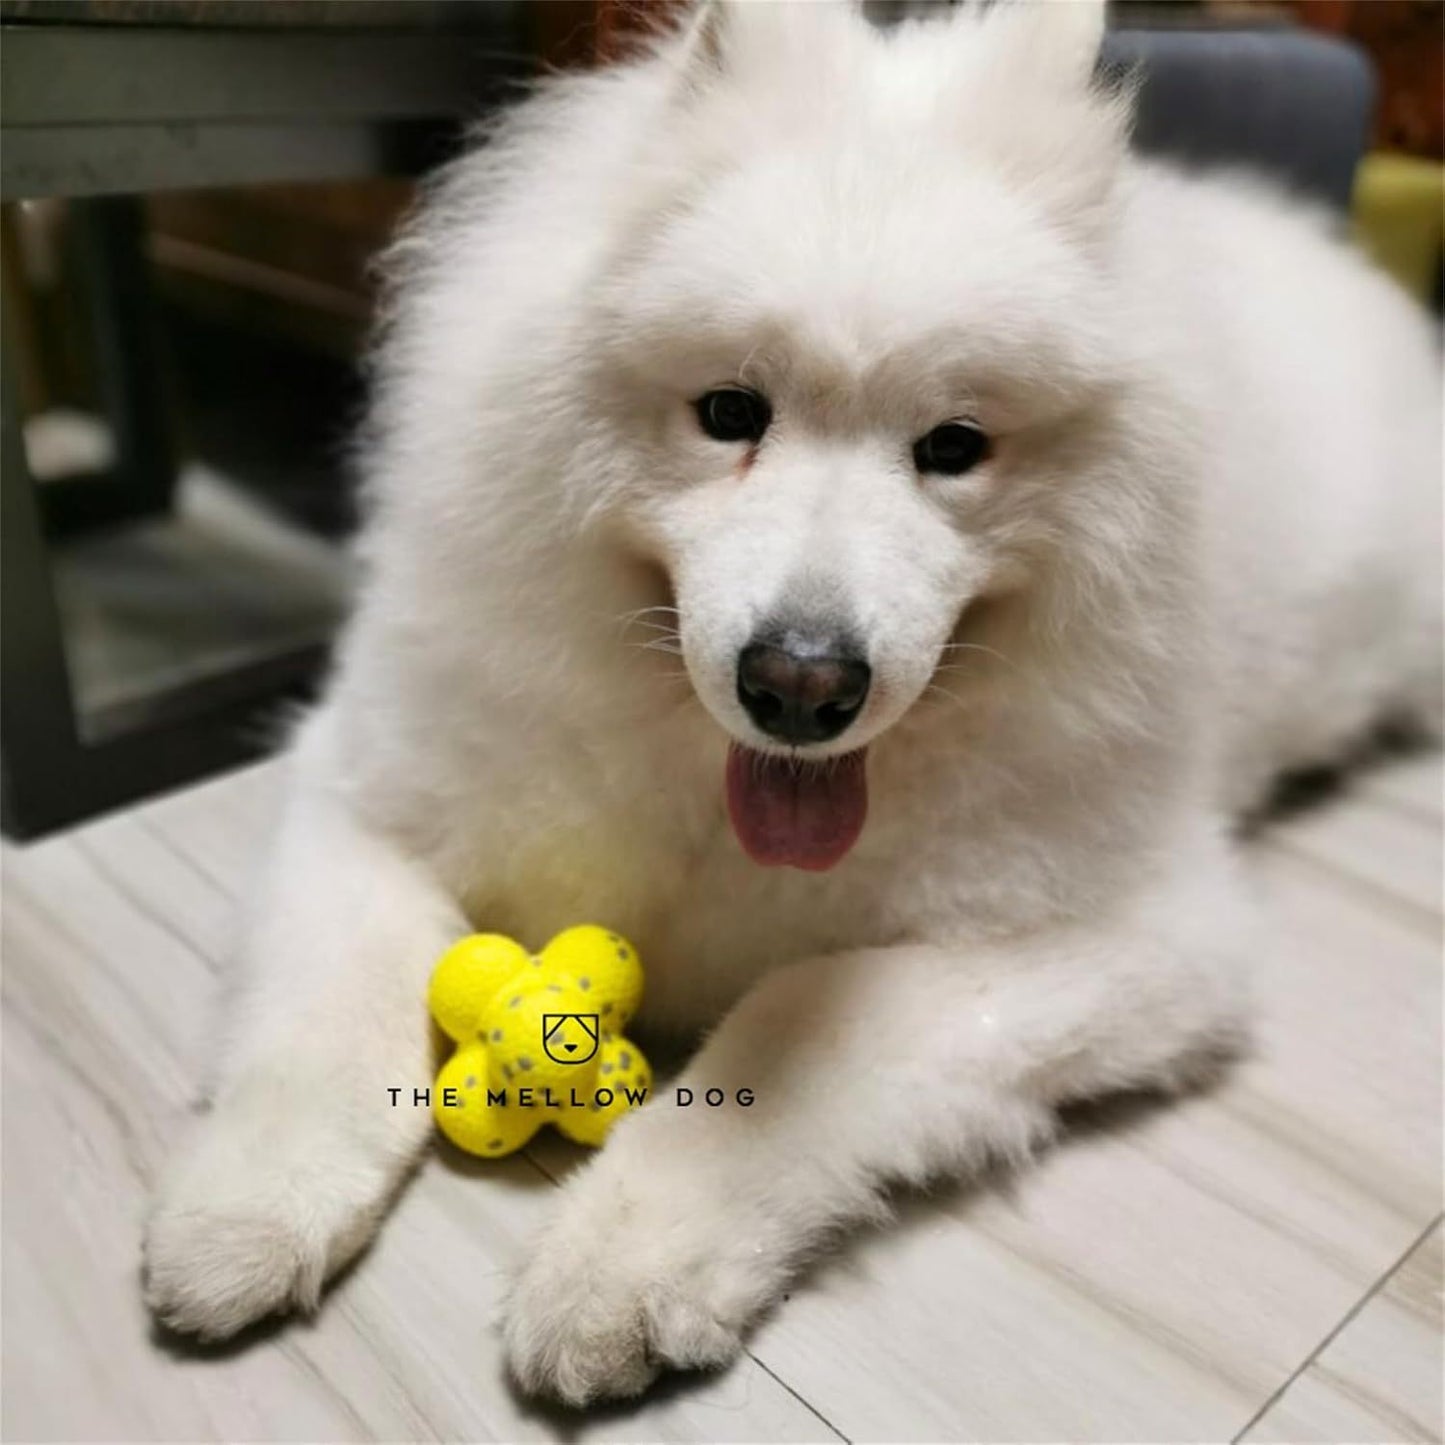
(1057, 41)
(1068, 133)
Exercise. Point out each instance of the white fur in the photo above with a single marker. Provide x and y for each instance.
(1204, 551)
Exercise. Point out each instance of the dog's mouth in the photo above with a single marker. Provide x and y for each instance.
(789, 811)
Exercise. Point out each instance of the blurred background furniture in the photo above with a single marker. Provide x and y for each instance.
(194, 193)
(1295, 105)
(151, 620)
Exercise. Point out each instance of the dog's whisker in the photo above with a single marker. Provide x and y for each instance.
(977, 647)
(640, 612)
(641, 617)
(944, 692)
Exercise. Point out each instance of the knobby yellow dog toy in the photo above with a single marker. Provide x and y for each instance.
(539, 1038)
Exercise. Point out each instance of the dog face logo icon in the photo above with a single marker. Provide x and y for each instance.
(569, 1038)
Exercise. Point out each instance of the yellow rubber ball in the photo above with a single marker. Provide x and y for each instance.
(541, 1036)
(623, 1082)
(463, 1113)
(467, 977)
(603, 966)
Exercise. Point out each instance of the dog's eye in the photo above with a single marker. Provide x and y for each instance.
(952, 449)
(733, 414)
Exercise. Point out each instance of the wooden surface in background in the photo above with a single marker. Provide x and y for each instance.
(1406, 40)
(589, 32)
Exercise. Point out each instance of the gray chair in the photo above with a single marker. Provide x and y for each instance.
(1290, 103)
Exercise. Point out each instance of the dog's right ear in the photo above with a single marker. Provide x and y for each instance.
(716, 37)
(719, 37)
(704, 46)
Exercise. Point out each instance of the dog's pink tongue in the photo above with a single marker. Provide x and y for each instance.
(807, 815)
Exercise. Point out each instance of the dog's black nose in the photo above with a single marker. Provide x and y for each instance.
(800, 689)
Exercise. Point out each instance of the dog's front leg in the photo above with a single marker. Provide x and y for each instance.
(866, 1069)
(289, 1173)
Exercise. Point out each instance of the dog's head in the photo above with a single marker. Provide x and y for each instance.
(861, 318)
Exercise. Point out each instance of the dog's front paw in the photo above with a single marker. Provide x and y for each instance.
(237, 1232)
(623, 1285)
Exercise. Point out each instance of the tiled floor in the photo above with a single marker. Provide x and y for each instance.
(1262, 1262)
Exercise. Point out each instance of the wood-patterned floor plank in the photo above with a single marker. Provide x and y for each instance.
(1165, 1273)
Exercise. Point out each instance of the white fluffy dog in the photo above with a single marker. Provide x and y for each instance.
(807, 445)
